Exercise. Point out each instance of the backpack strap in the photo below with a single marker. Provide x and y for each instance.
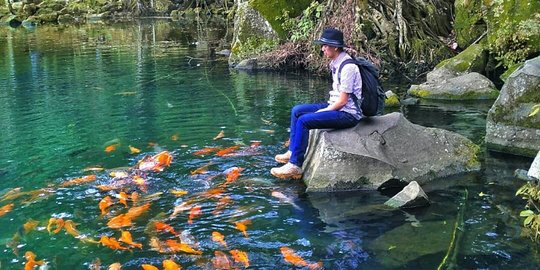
(345, 62)
(352, 95)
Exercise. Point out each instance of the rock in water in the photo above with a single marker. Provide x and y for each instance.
(411, 196)
(512, 127)
(382, 149)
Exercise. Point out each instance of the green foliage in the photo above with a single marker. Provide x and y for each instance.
(531, 224)
(301, 27)
(535, 110)
(272, 10)
(514, 30)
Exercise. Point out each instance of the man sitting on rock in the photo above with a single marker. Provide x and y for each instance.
(339, 112)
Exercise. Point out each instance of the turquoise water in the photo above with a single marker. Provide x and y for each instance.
(68, 92)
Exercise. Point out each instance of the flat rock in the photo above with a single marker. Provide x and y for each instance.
(410, 197)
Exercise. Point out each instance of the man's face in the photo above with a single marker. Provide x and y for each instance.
(329, 51)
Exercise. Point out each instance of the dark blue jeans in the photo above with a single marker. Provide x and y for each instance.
(304, 118)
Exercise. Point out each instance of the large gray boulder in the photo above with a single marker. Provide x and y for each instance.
(381, 150)
(511, 125)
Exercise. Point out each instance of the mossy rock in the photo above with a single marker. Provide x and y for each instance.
(252, 34)
(271, 10)
(470, 86)
(391, 100)
(473, 59)
(512, 126)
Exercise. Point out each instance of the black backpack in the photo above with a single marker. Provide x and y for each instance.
(372, 91)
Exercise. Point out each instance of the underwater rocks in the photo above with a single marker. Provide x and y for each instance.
(512, 126)
(384, 149)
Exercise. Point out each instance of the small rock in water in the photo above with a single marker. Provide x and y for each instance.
(411, 196)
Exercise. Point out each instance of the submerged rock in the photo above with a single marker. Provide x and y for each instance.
(408, 243)
(410, 197)
(383, 149)
(511, 126)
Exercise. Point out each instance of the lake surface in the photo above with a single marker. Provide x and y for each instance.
(69, 92)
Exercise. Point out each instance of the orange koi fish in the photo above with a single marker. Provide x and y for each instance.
(221, 261)
(126, 238)
(119, 174)
(115, 266)
(11, 194)
(170, 265)
(76, 181)
(227, 150)
(220, 135)
(201, 170)
(155, 163)
(30, 225)
(135, 212)
(6, 209)
(111, 147)
(69, 226)
(106, 187)
(57, 222)
(174, 137)
(122, 220)
(177, 192)
(104, 204)
(214, 192)
(242, 226)
(181, 208)
(149, 267)
(176, 246)
(218, 237)
(221, 204)
(134, 197)
(156, 245)
(140, 182)
(164, 227)
(111, 243)
(193, 213)
(122, 196)
(206, 150)
(31, 261)
(233, 174)
(291, 257)
(134, 150)
(240, 257)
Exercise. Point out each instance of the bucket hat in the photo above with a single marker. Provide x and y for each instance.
(331, 37)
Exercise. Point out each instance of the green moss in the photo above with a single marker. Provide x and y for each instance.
(272, 10)
(468, 23)
(510, 70)
(421, 93)
(392, 101)
(473, 59)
